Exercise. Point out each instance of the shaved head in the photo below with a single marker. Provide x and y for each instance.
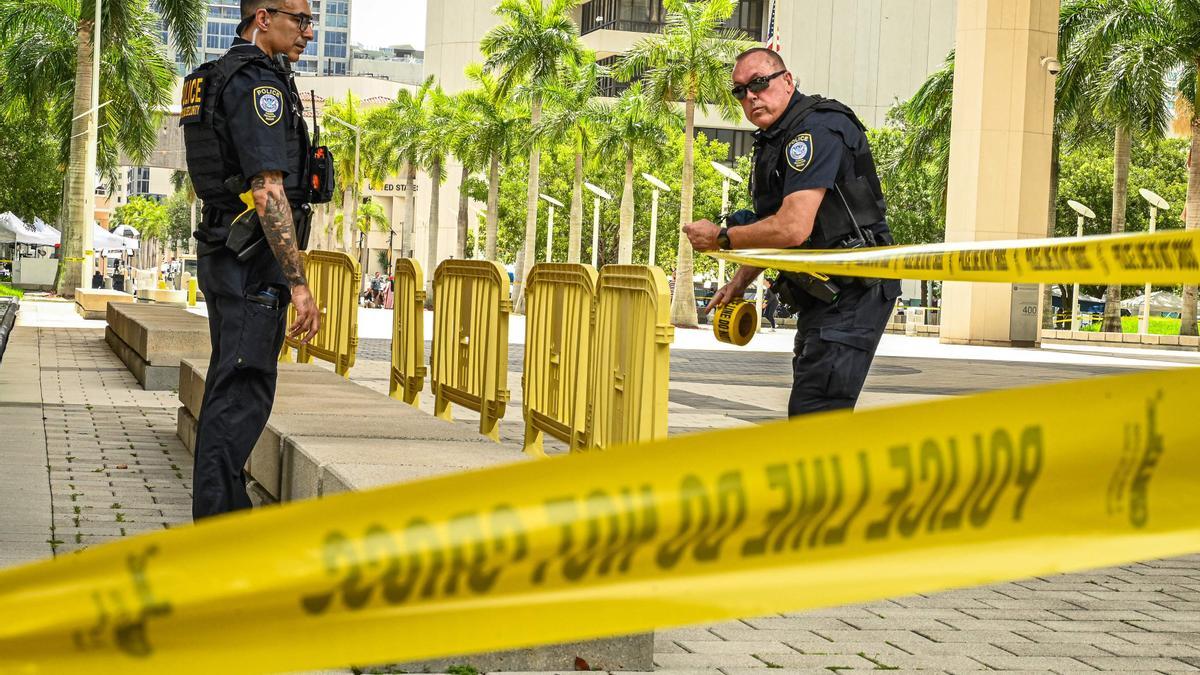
(249, 7)
(772, 56)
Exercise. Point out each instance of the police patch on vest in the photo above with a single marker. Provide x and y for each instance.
(268, 103)
(800, 152)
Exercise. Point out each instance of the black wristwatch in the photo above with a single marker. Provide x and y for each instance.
(723, 239)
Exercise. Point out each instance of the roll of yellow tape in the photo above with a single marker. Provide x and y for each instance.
(736, 323)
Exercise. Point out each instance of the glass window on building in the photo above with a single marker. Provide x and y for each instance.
(220, 35)
(139, 181)
(311, 49)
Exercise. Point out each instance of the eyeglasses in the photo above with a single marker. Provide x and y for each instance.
(304, 20)
(756, 85)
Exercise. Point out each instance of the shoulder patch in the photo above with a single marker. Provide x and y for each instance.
(268, 103)
(800, 152)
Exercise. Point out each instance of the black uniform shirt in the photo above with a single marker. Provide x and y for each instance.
(265, 124)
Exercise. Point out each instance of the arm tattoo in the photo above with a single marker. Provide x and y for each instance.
(277, 224)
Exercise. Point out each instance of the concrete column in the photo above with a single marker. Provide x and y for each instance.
(999, 157)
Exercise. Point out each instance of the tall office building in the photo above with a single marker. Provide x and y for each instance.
(328, 54)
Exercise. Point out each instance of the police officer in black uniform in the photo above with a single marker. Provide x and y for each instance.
(814, 186)
(247, 147)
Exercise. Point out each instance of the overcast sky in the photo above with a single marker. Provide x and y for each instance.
(382, 23)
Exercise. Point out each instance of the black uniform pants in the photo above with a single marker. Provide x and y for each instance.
(239, 389)
(835, 345)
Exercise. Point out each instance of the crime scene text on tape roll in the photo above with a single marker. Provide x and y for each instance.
(74, 260)
(1161, 258)
(735, 323)
(825, 510)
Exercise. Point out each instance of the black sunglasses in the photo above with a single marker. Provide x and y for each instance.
(756, 85)
(303, 19)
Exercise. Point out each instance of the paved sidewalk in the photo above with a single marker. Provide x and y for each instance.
(105, 463)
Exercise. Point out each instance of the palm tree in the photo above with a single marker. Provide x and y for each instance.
(534, 43)
(634, 124)
(571, 114)
(691, 60)
(341, 141)
(396, 133)
(49, 62)
(1187, 41)
(369, 217)
(434, 146)
(1121, 52)
(493, 123)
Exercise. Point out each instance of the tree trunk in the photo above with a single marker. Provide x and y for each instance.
(347, 233)
(576, 233)
(83, 135)
(463, 204)
(493, 206)
(1112, 296)
(408, 233)
(435, 198)
(531, 212)
(683, 304)
(1187, 324)
(1051, 222)
(625, 240)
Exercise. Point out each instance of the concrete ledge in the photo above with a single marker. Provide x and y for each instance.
(92, 303)
(1125, 340)
(185, 427)
(153, 339)
(163, 296)
(151, 377)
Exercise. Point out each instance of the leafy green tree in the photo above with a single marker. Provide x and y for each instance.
(690, 61)
(631, 125)
(31, 175)
(48, 61)
(181, 213)
(571, 116)
(494, 124)
(535, 41)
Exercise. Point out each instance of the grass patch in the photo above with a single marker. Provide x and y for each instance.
(1129, 324)
(9, 291)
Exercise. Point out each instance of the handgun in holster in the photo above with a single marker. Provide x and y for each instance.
(246, 235)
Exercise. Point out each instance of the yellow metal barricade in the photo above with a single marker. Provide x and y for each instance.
(334, 280)
(470, 340)
(558, 344)
(408, 332)
(631, 362)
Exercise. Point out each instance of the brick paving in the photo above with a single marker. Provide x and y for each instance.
(105, 463)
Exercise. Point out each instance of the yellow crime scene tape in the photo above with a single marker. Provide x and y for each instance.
(825, 510)
(1165, 258)
(736, 322)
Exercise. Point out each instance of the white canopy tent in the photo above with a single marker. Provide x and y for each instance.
(103, 240)
(1161, 302)
(15, 231)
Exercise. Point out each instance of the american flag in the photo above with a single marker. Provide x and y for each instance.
(773, 41)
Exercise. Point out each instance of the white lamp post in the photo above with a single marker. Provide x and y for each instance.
(600, 194)
(1156, 203)
(1084, 213)
(550, 230)
(729, 175)
(658, 186)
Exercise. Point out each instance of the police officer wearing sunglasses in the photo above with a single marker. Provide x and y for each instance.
(247, 151)
(814, 186)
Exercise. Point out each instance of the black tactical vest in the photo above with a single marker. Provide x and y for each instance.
(857, 198)
(211, 159)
